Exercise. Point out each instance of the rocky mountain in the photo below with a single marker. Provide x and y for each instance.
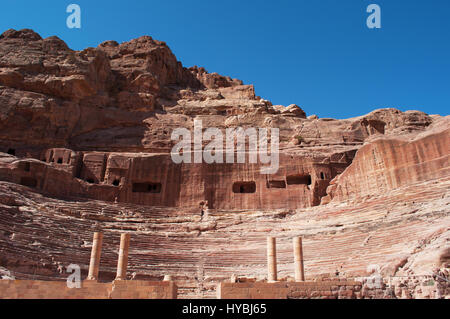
(85, 138)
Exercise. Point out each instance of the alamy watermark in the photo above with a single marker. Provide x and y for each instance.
(74, 19)
(235, 150)
(74, 280)
(375, 280)
(374, 20)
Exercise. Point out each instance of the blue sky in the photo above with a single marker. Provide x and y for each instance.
(317, 54)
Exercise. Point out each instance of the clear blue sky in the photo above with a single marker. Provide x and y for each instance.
(317, 54)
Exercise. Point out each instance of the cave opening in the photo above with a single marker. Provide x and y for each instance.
(299, 180)
(60, 160)
(11, 151)
(28, 181)
(154, 188)
(116, 182)
(322, 175)
(26, 167)
(244, 187)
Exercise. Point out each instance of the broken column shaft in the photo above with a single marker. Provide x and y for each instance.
(271, 259)
(122, 263)
(298, 259)
(94, 264)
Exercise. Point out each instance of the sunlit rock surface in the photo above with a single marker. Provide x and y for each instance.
(85, 141)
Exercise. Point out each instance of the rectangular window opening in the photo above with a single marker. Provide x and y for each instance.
(154, 188)
(244, 187)
(299, 180)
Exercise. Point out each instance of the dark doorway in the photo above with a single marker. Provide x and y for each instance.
(299, 180)
(26, 166)
(244, 187)
(153, 188)
(28, 181)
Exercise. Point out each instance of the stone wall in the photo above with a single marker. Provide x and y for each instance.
(29, 289)
(341, 289)
(418, 287)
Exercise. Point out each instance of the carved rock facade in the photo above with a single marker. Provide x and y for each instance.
(85, 141)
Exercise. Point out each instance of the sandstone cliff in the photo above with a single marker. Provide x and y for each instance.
(86, 137)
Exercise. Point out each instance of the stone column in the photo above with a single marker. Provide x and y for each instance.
(94, 264)
(122, 263)
(271, 259)
(298, 258)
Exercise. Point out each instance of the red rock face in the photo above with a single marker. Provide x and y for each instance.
(120, 177)
(388, 164)
(85, 141)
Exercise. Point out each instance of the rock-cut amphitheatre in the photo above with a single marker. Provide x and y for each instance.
(85, 142)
